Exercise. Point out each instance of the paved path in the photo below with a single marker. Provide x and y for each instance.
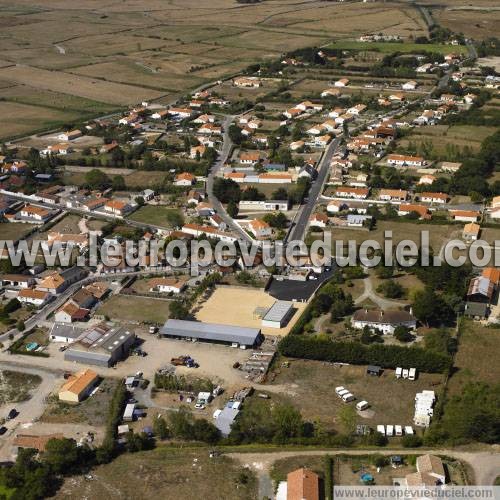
(484, 464)
(369, 293)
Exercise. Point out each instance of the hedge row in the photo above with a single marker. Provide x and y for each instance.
(386, 356)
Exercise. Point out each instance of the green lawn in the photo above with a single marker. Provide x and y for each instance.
(155, 215)
(130, 308)
(388, 47)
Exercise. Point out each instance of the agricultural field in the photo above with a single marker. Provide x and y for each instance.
(442, 136)
(16, 386)
(185, 471)
(388, 47)
(311, 385)
(135, 309)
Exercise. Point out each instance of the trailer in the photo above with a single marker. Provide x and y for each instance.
(389, 430)
(347, 398)
(409, 430)
(381, 429)
(398, 430)
(362, 405)
(339, 388)
(343, 392)
(399, 372)
(412, 374)
(405, 373)
(128, 414)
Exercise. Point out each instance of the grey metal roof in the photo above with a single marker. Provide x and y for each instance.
(225, 420)
(64, 330)
(210, 331)
(278, 311)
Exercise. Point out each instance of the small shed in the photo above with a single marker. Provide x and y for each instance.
(374, 370)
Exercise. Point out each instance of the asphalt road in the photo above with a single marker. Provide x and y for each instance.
(224, 153)
(299, 229)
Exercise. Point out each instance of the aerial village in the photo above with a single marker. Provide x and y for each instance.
(311, 144)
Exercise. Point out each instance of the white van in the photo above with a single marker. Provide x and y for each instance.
(399, 372)
(342, 393)
(412, 374)
(347, 398)
(405, 373)
(398, 430)
(362, 405)
(390, 430)
(339, 388)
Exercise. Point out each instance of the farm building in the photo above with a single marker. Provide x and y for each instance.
(101, 346)
(302, 484)
(211, 332)
(278, 315)
(78, 386)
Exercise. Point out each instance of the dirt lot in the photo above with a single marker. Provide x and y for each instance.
(135, 309)
(16, 386)
(311, 384)
(244, 302)
(162, 472)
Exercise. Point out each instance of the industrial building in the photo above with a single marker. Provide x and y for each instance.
(278, 315)
(101, 345)
(212, 332)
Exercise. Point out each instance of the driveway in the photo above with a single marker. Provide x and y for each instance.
(370, 294)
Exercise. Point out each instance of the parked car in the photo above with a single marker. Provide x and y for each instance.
(12, 414)
(3, 430)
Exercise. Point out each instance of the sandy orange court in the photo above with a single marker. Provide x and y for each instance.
(241, 306)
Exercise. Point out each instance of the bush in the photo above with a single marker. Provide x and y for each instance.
(386, 356)
(410, 441)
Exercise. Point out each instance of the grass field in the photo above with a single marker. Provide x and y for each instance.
(16, 386)
(14, 230)
(156, 215)
(135, 309)
(438, 234)
(311, 386)
(388, 47)
(477, 357)
(160, 473)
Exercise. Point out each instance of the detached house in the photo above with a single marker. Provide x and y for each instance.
(319, 220)
(427, 197)
(116, 207)
(185, 179)
(167, 285)
(70, 135)
(34, 297)
(37, 215)
(393, 195)
(352, 192)
(260, 229)
(384, 321)
(405, 161)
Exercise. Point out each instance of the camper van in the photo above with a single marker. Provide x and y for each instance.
(390, 430)
(399, 372)
(409, 430)
(339, 388)
(398, 430)
(381, 429)
(342, 393)
(412, 374)
(362, 405)
(347, 398)
(405, 373)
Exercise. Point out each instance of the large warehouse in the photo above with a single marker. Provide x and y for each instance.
(212, 332)
(101, 345)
